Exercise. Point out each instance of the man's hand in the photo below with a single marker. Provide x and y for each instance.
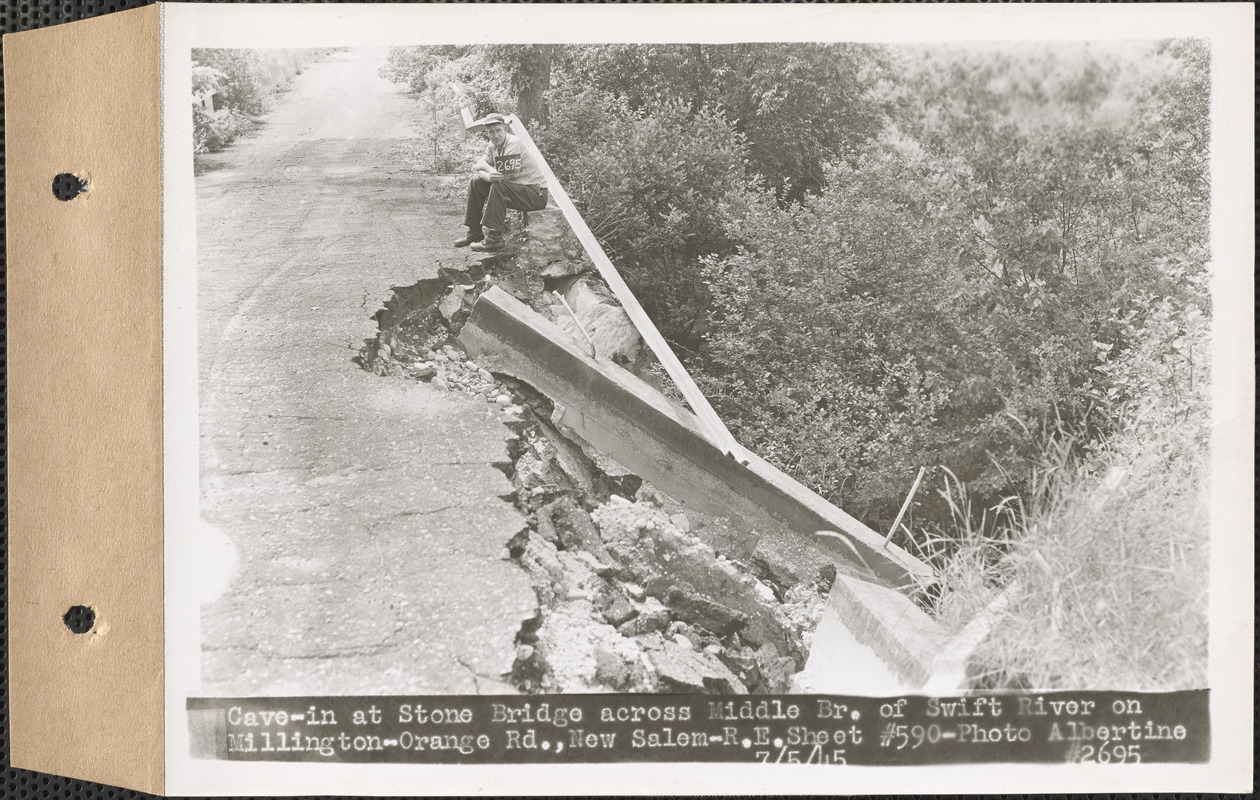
(483, 169)
(496, 177)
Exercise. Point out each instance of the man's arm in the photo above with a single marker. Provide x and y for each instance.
(484, 170)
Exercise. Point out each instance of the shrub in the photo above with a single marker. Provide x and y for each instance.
(232, 87)
(652, 184)
(445, 79)
(843, 346)
(237, 85)
(214, 130)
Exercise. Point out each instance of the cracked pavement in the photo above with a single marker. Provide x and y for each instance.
(367, 514)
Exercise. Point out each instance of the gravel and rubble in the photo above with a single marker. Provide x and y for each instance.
(630, 599)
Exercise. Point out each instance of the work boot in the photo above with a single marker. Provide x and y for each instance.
(492, 244)
(473, 235)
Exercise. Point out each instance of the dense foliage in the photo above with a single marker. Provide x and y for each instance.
(794, 108)
(967, 289)
(990, 261)
(653, 188)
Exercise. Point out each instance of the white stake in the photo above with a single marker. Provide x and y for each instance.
(904, 506)
(576, 321)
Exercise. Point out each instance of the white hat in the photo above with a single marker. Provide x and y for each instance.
(487, 121)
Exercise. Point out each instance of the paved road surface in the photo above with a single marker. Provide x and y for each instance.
(366, 511)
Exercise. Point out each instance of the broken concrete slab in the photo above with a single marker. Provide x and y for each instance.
(602, 462)
(682, 669)
(614, 606)
(575, 530)
(624, 417)
(594, 316)
(698, 610)
(686, 575)
(652, 616)
(580, 654)
(542, 562)
(619, 665)
(560, 269)
(840, 664)
(454, 302)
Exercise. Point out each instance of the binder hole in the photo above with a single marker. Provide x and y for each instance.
(79, 619)
(67, 187)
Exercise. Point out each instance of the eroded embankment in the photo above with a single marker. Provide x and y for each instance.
(630, 598)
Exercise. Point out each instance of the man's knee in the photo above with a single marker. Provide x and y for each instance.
(517, 197)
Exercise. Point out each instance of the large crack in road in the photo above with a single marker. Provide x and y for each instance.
(367, 515)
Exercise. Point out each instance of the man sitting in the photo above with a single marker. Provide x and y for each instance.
(507, 176)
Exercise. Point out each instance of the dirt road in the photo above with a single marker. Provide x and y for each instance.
(367, 513)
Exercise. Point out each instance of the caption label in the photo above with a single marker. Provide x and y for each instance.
(1073, 727)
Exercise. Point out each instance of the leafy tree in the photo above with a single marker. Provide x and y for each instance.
(652, 184)
(456, 75)
(796, 106)
(529, 68)
(444, 80)
(490, 78)
(232, 87)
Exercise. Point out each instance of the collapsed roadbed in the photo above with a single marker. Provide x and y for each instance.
(660, 565)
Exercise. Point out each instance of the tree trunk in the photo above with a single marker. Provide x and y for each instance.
(531, 80)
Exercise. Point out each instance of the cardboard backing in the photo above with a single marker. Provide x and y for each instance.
(85, 399)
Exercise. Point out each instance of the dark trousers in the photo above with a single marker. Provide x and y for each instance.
(496, 199)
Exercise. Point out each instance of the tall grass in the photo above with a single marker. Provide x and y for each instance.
(1106, 564)
(1104, 557)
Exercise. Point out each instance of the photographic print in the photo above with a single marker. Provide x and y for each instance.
(689, 387)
